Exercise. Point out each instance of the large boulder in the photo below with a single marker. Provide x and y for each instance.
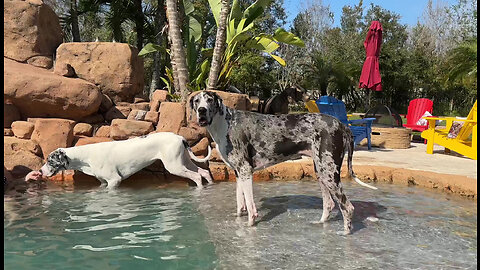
(115, 67)
(172, 117)
(40, 93)
(22, 129)
(103, 131)
(158, 97)
(122, 129)
(152, 116)
(12, 145)
(190, 134)
(83, 129)
(201, 148)
(21, 162)
(31, 32)
(53, 133)
(138, 115)
(21, 156)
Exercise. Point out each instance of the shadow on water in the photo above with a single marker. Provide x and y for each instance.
(280, 204)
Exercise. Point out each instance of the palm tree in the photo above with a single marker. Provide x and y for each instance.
(462, 63)
(139, 19)
(74, 15)
(160, 20)
(178, 56)
(219, 46)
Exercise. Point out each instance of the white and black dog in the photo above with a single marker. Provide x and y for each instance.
(250, 141)
(112, 162)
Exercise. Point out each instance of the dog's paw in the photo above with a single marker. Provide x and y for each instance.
(251, 222)
(344, 233)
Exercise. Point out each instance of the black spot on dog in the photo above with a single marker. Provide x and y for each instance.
(343, 198)
(287, 147)
(291, 121)
(261, 144)
(228, 116)
(229, 146)
(251, 150)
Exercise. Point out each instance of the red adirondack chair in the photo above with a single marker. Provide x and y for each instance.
(416, 109)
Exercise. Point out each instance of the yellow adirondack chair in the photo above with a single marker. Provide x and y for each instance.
(466, 141)
(312, 106)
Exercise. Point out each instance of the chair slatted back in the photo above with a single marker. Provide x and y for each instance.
(334, 107)
(312, 106)
(416, 109)
(466, 130)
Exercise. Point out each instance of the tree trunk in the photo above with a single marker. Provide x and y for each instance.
(177, 48)
(172, 62)
(75, 28)
(159, 58)
(219, 46)
(139, 19)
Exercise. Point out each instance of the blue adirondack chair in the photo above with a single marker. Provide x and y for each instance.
(361, 128)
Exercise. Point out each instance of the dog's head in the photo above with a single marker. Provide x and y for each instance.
(56, 161)
(206, 105)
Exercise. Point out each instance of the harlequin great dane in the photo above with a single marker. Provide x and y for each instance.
(112, 162)
(250, 141)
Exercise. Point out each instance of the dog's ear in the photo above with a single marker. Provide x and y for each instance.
(218, 102)
(63, 158)
(191, 102)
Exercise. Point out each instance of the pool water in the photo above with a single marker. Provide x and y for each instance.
(183, 228)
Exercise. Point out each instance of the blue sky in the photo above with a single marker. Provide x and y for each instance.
(409, 10)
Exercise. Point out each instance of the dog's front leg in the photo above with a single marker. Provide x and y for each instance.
(245, 182)
(241, 207)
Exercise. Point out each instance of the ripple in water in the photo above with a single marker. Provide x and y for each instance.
(114, 229)
(395, 228)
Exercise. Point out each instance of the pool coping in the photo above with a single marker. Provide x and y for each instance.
(300, 170)
(303, 170)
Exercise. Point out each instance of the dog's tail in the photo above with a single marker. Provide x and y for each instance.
(192, 155)
(350, 145)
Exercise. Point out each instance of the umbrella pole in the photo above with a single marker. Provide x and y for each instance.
(369, 96)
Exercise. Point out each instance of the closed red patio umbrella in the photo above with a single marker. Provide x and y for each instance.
(370, 77)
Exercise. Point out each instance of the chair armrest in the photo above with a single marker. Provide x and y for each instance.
(449, 119)
(361, 121)
(367, 121)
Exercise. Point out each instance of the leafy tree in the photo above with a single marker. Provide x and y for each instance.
(462, 63)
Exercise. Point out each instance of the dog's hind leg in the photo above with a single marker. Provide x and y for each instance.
(205, 174)
(329, 162)
(113, 183)
(194, 176)
(328, 203)
(184, 172)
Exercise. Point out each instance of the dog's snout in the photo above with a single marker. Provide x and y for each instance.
(202, 110)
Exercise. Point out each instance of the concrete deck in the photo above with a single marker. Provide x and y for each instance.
(416, 158)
